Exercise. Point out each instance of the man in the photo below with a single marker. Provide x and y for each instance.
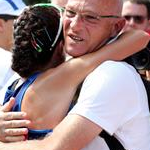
(112, 98)
(9, 10)
(137, 14)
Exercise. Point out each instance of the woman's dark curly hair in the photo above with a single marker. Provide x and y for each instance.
(34, 33)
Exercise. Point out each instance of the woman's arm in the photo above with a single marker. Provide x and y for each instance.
(12, 124)
(127, 44)
(52, 92)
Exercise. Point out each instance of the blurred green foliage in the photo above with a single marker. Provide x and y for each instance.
(31, 2)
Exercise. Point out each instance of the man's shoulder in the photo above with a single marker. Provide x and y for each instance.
(114, 76)
(112, 72)
(112, 64)
(114, 67)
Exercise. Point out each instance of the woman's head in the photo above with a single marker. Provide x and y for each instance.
(37, 32)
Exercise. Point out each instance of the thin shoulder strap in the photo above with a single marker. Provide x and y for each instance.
(20, 94)
(10, 91)
(111, 141)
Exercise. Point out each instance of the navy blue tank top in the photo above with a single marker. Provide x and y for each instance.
(18, 94)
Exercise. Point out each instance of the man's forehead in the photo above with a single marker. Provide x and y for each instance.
(133, 8)
(87, 5)
(98, 6)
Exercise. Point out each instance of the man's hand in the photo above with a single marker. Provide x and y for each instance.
(12, 124)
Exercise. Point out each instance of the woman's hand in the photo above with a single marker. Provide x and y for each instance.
(13, 125)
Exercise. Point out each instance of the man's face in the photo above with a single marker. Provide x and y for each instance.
(84, 30)
(136, 16)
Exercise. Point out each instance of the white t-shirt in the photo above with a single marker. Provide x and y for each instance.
(5, 67)
(114, 97)
(9, 82)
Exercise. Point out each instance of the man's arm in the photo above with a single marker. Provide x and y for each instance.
(73, 133)
(10, 123)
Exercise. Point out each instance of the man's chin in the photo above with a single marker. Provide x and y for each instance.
(74, 52)
(75, 49)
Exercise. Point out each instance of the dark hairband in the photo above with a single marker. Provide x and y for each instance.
(7, 17)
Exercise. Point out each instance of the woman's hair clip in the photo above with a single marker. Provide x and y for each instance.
(35, 44)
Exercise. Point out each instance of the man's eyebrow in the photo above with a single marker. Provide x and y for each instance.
(83, 11)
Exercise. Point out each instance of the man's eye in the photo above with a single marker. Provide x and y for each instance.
(70, 13)
(90, 18)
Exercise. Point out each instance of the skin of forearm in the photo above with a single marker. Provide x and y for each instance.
(25, 145)
(128, 44)
(29, 145)
(67, 131)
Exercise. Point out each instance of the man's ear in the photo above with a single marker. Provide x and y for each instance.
(1, 25)
(119, 26)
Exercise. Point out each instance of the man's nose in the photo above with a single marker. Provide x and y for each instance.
(131, 21)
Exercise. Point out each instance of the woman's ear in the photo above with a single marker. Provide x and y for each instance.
(58, 55)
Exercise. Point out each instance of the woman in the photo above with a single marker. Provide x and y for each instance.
(50, 83)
